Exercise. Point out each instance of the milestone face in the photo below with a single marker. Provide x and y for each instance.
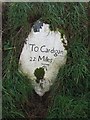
(42, 56)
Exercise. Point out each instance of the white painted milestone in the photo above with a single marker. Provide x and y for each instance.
(42, 56)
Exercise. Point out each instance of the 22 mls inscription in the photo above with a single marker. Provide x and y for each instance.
(43, 58)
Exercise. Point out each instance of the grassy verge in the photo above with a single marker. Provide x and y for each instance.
(68, 107)
(70, 92)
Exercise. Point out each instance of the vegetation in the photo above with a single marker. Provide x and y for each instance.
(69, 95)
(39, 73)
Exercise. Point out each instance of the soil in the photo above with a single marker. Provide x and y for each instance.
(37, 106)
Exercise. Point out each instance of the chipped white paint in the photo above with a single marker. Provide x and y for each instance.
(43, 48)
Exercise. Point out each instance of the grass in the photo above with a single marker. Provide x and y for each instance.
(70, 92)
(68, 107)
(16, 88)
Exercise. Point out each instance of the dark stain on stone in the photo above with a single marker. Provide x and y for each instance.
(39, 73)
(64, 44)
(37, 26)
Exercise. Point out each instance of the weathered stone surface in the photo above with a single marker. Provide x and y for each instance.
(42, 56)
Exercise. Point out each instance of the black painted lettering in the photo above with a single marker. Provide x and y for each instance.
(34, 59)
(61, 52)
(47, 50)
(42, 48)
(36, 49)
(32, 47)
(52, 51)
(30, 58)
(41, 58)
(55, 54)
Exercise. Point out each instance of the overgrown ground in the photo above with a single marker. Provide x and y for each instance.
(69, 96)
